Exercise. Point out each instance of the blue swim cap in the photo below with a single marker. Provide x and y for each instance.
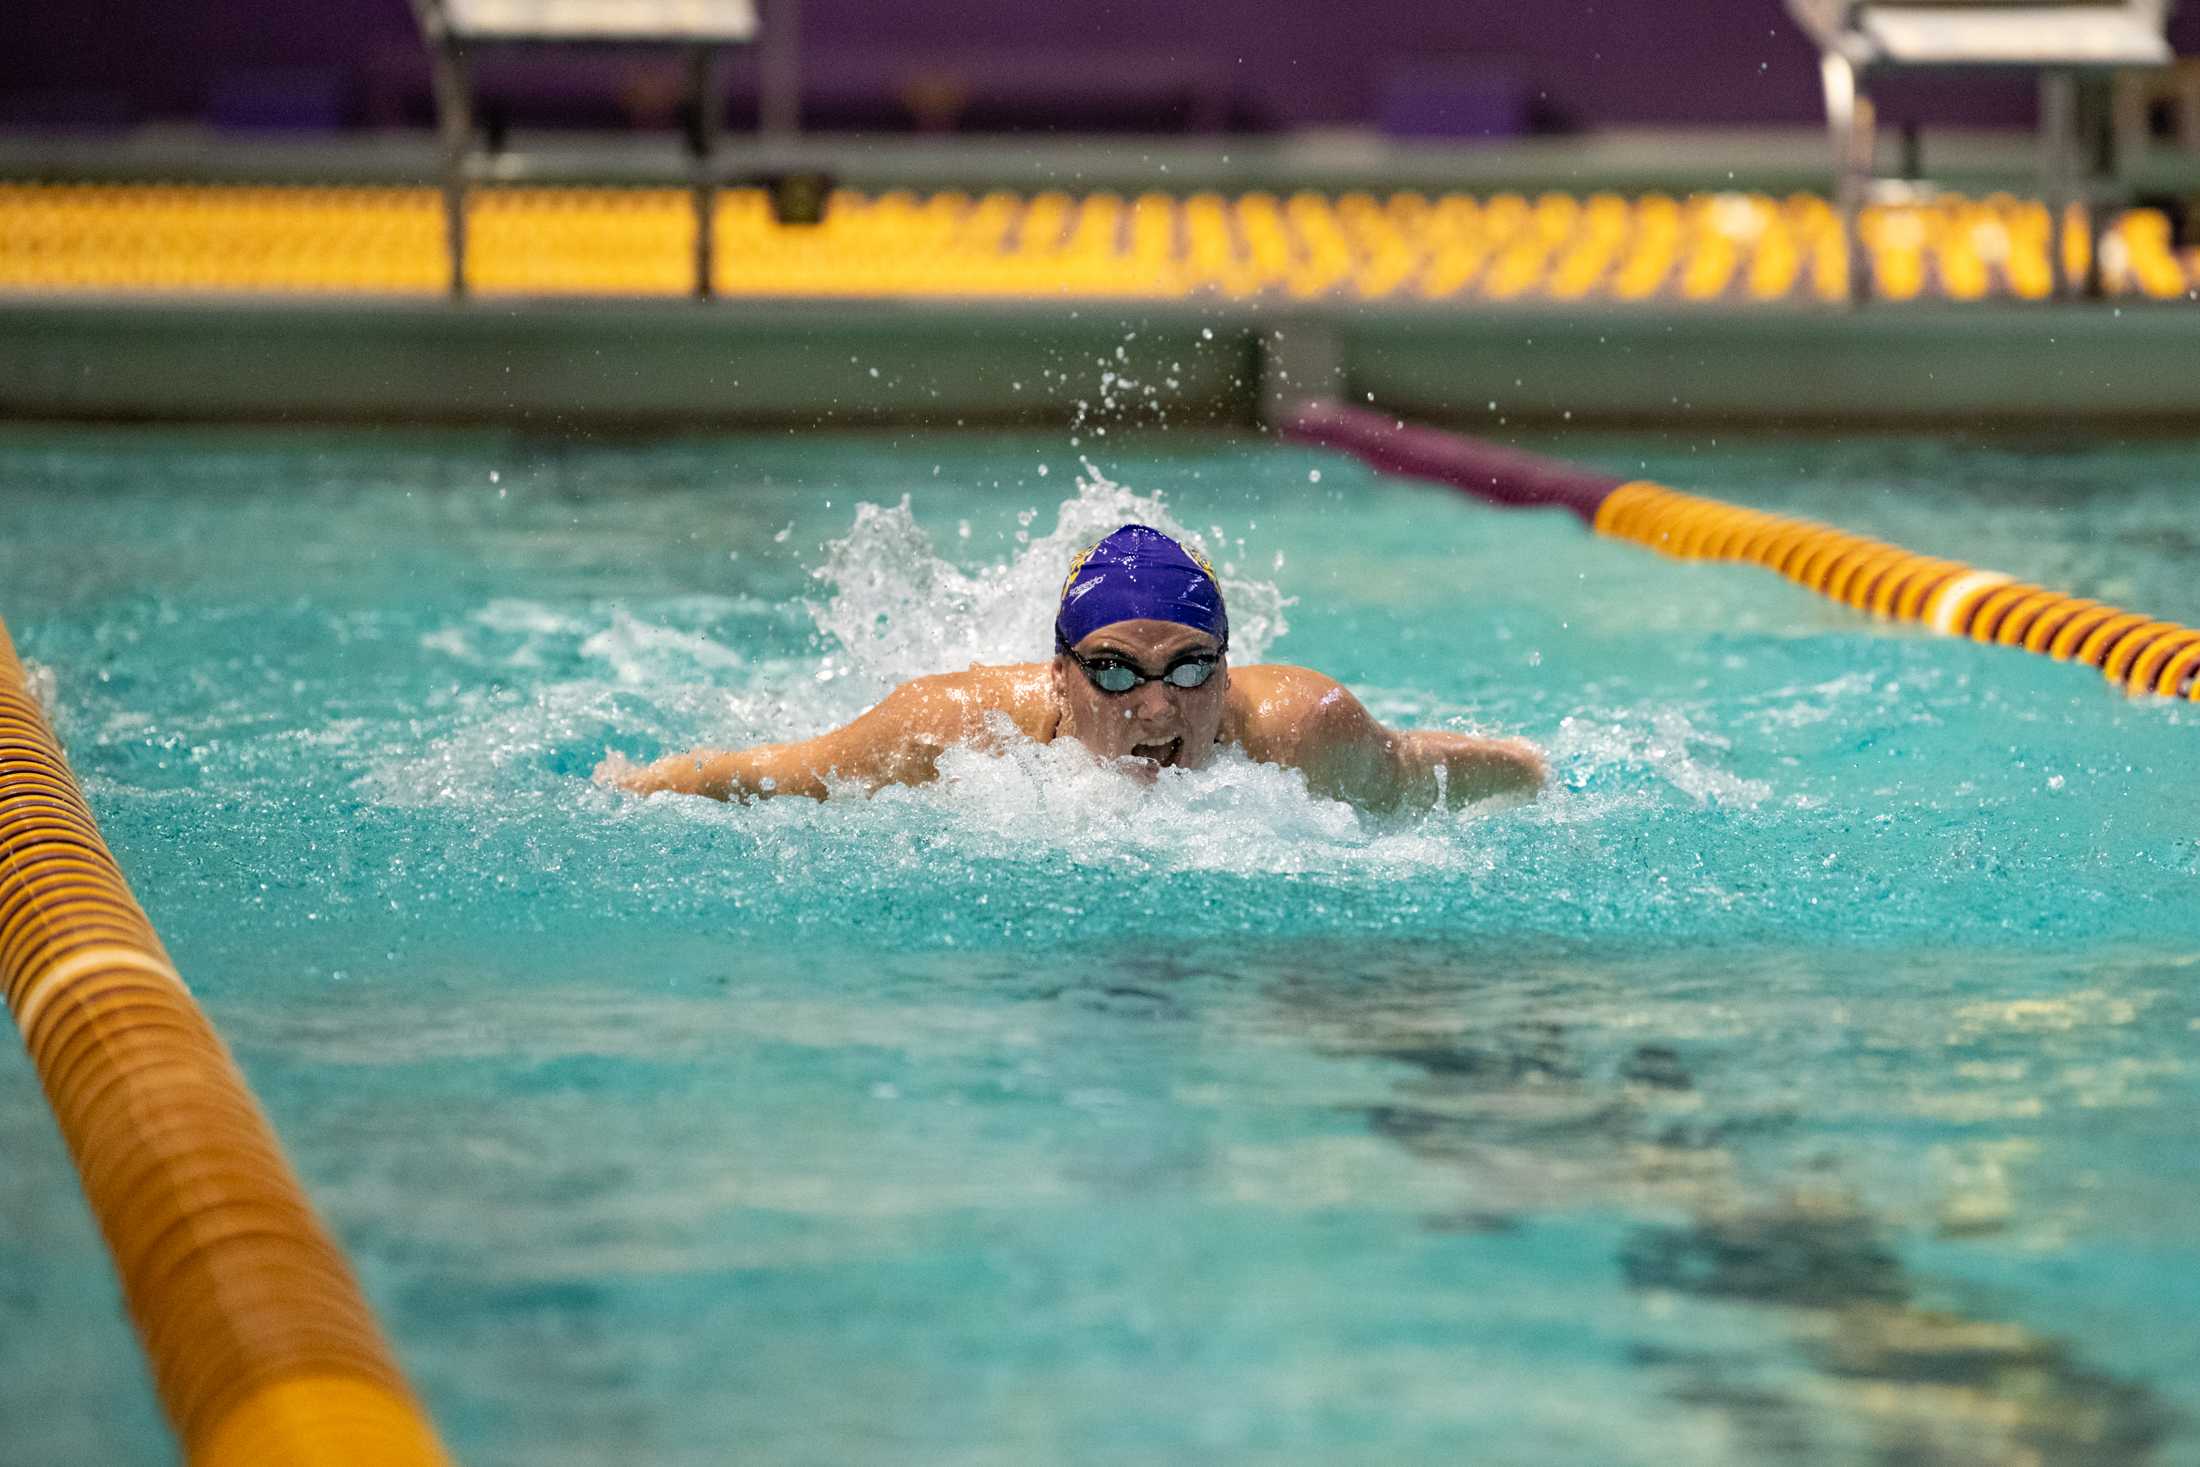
(1139, 574)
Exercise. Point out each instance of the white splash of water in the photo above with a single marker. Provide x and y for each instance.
(45, 689)
(1027, 801)
(1589, 753)
(898, 609)
(510, 632)
(641, 652)
(517, 634)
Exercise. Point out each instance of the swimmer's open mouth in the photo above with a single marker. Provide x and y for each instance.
(1164, 755)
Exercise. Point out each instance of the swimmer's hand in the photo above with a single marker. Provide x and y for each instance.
(618, 772)
(697, 772)
(719, 774)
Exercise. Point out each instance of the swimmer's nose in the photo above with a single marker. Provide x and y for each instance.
(1151, 700)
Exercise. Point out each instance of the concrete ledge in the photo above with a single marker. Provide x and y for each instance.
(583, 365)
(1770, 159)
(1992, 367)
(653, 365)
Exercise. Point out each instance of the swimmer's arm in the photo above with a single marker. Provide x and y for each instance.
(1464, 768)
(1348, 755)
(897, 742)
(739, 775)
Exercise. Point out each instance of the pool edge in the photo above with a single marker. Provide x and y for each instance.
(592, 365)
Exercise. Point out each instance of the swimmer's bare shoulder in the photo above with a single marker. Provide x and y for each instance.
(899, 741)
(1305, 720)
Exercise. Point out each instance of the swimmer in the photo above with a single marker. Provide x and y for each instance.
(1140, 677)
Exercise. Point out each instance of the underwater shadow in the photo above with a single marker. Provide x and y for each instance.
(1499, 1083)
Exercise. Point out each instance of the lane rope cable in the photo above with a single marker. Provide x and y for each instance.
(2140, 654)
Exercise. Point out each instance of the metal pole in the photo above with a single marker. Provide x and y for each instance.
(1854, 131)
(779, 70)
(705, 102)
(2058, 165)
(454, 111)
(2101, 175)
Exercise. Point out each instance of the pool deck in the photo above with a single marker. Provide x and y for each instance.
(937, 346)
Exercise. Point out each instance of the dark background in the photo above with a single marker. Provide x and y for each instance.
(1413, 67)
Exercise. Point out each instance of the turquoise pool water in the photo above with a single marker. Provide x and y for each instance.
(1807, 1077)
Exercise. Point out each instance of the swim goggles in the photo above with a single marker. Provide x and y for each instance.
(1118, 675)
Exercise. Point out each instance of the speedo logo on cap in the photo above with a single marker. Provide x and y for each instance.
(1077, 563)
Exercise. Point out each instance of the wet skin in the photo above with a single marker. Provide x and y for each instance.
(1277, 714)
(1154, 724)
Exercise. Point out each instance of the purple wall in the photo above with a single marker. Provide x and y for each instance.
(1122, 63)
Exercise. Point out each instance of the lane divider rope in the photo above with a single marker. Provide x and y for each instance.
(2143, 655)
(263, 1350)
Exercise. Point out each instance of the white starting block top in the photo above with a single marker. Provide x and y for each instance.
(2088, 33)
(664, 21)
(2016, 35)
